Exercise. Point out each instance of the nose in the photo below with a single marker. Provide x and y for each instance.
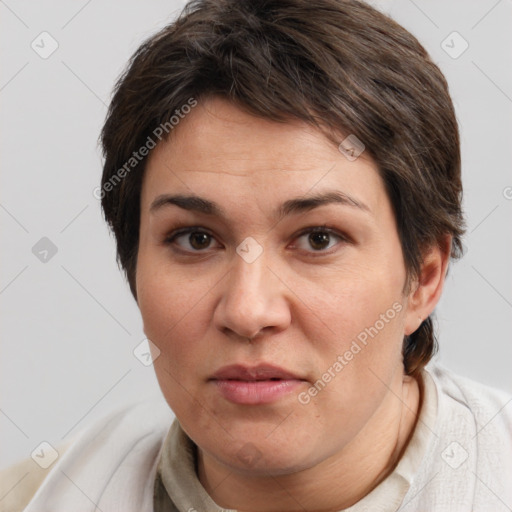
(253, 300)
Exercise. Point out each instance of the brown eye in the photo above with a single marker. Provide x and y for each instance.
(191, 240)
(199, 240)
(320, 238)
(319, 241)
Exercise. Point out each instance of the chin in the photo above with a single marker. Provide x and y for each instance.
(261, 454)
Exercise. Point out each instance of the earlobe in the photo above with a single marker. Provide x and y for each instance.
(429, 285)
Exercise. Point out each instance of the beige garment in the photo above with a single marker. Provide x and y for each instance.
(19, 482)
(177, 477)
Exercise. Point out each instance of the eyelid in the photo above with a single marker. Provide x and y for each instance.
(324, 228)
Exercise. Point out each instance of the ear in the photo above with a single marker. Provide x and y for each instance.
(427, 289)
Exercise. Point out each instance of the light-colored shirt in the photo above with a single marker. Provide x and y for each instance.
(459, 459)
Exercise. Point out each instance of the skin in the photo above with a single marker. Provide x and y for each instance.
(303, 305)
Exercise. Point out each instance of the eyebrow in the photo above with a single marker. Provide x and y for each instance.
(292, 206)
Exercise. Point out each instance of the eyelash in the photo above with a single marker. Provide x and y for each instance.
(169, 240)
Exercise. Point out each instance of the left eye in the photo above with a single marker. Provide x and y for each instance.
(319, 238)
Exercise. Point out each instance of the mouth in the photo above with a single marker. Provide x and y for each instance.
(262, 384)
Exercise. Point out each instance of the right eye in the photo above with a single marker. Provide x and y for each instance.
(194, 239)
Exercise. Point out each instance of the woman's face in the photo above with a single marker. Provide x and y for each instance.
(325, 308)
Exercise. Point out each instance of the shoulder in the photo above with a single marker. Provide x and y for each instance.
(122, 427)
(20, 481)
(485, 403)
(468, 460)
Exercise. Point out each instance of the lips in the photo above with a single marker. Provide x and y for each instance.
(254, 385)
(254, 373)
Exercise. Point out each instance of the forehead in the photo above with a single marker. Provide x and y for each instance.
(218, 150)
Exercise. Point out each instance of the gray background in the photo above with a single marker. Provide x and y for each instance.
(69, 325)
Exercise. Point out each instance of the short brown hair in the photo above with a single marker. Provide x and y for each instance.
(337, 64)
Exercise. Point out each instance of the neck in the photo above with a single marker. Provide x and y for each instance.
(337, 482)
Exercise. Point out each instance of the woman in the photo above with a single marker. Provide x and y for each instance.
(283, 182)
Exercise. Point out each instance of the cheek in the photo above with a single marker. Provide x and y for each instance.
(353, 298)
(172, 310)
(171, 314)
(363, 307)
(166, 294)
